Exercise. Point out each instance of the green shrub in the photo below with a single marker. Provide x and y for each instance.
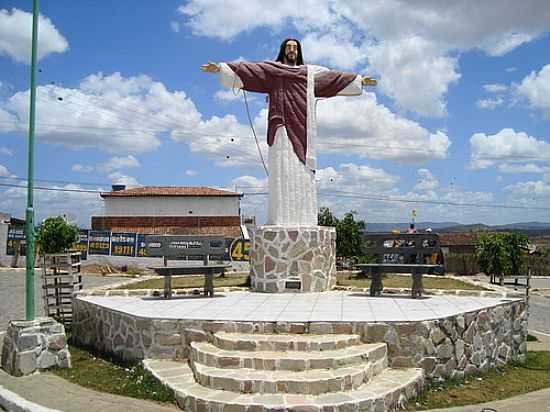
(55, 235)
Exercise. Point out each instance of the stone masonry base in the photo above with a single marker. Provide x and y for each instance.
(32, 345)
(293, 259)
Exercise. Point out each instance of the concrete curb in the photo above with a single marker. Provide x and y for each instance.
(15, 403)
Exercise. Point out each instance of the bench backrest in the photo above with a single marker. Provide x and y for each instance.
(408, 247)
(179, 247)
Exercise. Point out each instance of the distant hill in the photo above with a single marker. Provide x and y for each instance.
(533, 228)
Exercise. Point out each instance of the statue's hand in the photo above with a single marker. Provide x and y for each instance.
(369, 81)
(210, 67)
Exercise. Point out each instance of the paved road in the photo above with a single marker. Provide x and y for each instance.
(12, 293)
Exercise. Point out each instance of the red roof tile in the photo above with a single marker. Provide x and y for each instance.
(151, 191)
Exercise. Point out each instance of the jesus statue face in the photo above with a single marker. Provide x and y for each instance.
(291, 52)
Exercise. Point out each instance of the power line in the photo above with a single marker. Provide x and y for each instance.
(57, 181)
(54, 189)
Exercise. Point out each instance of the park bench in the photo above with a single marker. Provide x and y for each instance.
(175, 247)
(414, 253)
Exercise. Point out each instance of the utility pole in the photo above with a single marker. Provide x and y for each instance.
(29, 215)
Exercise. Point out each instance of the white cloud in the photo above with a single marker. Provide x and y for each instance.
(229, 18)
(489, 103)
(229, 95)
(412, 46)
(175, 26)
(536, 89)
(190, 172)
(4, 172)
(506, 146)
(113, 113)
(6, 151)
(118, 178)
(117, 163)
(495, 87)
(49, 203)
(16, 36)
(530, 194)
(523, 168)
(82, 168)
(8, 122)
(426, 181)
(361, 126)
(414, 73)
(334, 49)
(510, 69)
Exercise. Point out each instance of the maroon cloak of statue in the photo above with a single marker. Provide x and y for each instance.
(287, 87)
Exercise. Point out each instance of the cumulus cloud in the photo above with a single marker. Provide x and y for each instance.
(495, 87)
(535, 88)
(16, 36)
(534, 193)
(506, 146)
(426, 181)
(110, 112)
(489, 103)
(229, 95)
(412, 46)
(415, 74)
(6, 151)
(4, 172)
(190, 172)
(82, 168)
(361, 126)
(117, 163)
(119, 178)
(58, 202)
(523, 168)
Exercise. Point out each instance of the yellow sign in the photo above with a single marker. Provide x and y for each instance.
(240, 250)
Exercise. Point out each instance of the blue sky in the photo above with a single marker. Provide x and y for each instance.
(458, 127)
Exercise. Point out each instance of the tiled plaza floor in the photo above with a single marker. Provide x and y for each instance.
(299, 307)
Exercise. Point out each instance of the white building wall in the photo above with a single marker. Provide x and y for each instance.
(171, 206)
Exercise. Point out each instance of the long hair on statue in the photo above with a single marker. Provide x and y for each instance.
(281, 56)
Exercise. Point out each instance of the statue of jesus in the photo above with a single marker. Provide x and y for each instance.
(292, 87)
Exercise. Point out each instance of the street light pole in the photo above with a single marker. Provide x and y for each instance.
(29, 215)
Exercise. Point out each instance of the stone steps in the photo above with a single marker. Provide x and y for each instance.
(384, 392)
(283, 342)
(207, 354)
(312, 381)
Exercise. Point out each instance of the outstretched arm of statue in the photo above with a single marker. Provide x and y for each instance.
(210, 67)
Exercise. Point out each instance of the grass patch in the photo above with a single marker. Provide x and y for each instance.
(343, 279)
(492, 385)
(398, 281)
(182, 282)
(531, 338)
(104, 374)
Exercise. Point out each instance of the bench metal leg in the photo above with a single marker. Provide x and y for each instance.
(168, 286)
(209, 285)
(376, 286)
(417, 287)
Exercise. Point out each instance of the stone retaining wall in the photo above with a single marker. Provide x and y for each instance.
(447, 347)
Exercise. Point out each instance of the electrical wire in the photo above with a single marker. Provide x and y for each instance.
(254, 133)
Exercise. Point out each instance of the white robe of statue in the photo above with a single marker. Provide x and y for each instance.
(292, 199)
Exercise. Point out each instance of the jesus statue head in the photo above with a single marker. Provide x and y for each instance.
(290, 53)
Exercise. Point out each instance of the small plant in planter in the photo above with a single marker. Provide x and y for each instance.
(55, 235)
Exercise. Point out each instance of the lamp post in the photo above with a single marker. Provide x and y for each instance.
(29, 215)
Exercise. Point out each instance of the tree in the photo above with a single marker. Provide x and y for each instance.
(55, 235)
(348, 232)
(515, 245)
(501, 254)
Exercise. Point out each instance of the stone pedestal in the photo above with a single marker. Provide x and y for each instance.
(35, 344)
(293, 259)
